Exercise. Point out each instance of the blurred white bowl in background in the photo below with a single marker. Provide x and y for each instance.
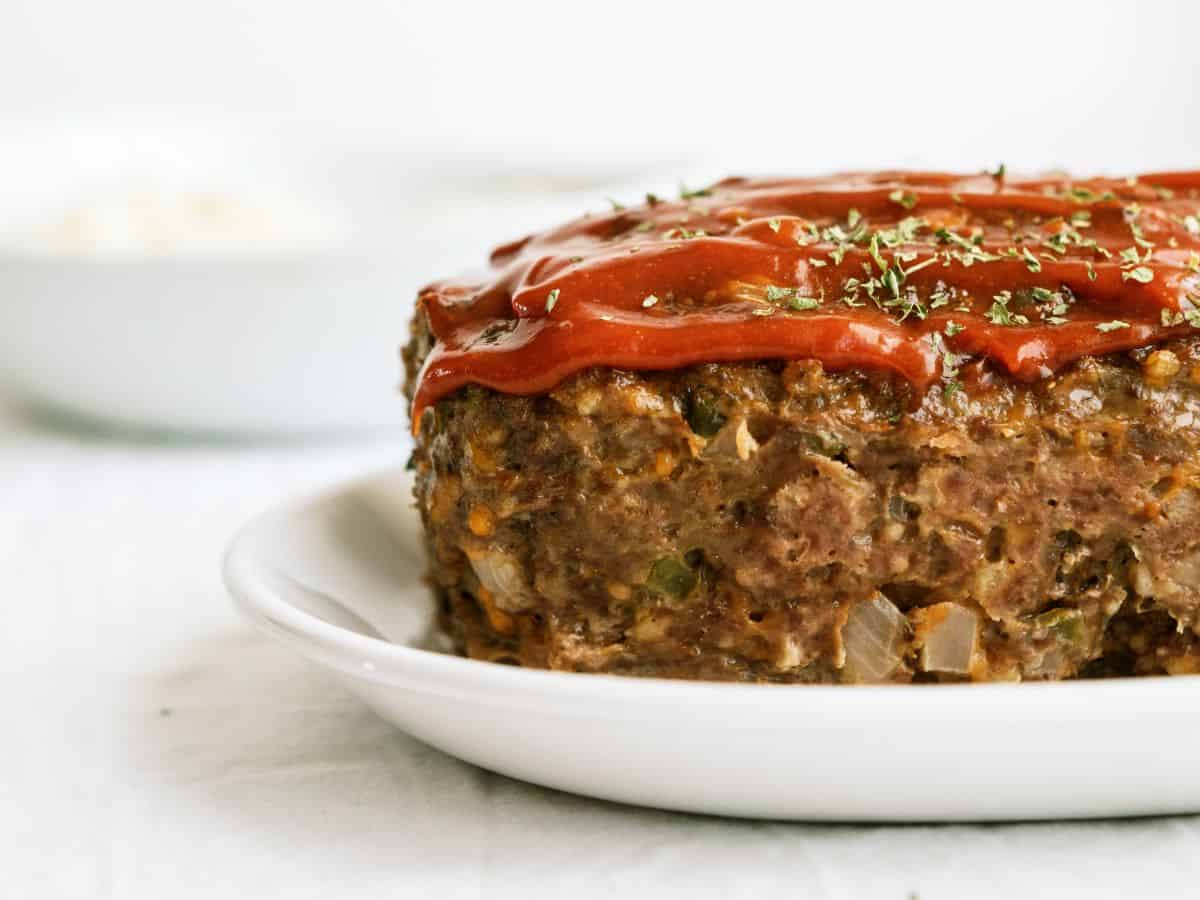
(247, 346)
(181, 281)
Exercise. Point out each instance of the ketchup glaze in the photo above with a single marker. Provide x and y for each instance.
(907, 272)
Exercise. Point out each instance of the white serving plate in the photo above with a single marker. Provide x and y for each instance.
(339, 579)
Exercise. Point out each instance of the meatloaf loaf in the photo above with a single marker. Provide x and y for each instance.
(886, 427)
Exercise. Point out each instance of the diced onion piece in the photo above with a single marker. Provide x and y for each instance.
(499, 572)
(949, 635)
(874, 639)
(1141, 579)
(744, 441)
(1048, 666)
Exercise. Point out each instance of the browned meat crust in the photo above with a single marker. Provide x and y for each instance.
(772, 521)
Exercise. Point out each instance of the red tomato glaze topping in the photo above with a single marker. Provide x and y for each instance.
(907, 272)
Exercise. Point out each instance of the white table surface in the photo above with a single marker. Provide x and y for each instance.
(154, 746)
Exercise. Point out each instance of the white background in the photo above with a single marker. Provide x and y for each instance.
(802, 86)
(154, 747)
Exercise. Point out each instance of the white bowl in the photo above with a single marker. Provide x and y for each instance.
(249, 346)
(294, 333)
(339, 580)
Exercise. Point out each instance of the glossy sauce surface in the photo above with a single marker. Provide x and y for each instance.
(907, 272)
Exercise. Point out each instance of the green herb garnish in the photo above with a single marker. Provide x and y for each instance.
(999, 313)
(790, 297)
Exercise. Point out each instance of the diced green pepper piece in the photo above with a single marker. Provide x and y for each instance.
(703, 415)
(671, 576)
(824, 442)
(1067, 624)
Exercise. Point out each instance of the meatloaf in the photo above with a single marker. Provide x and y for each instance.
(887, 427)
